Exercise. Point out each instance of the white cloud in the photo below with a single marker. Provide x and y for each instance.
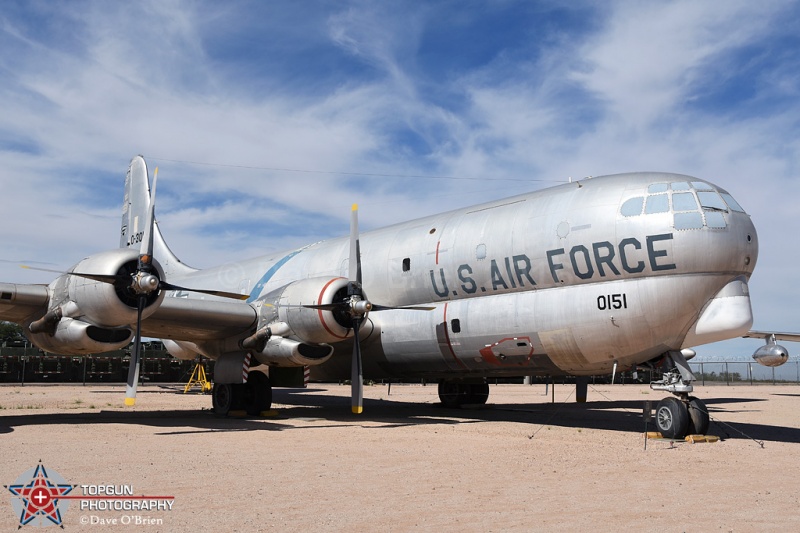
(170, 80)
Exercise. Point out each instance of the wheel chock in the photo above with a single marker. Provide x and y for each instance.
(701, 438)
(689, 438)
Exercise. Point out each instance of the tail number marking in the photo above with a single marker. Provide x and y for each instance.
(612, 301)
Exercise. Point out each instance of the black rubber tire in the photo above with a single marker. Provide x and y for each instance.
(258, 393)
(478, 393)
(698, 417)
(672, 418)
(452, 394)
(222, 398)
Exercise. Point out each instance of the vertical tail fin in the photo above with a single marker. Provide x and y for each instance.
(135, 206)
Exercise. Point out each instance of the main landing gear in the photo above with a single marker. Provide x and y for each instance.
(253, 397)
(457, 393)
(679, 415)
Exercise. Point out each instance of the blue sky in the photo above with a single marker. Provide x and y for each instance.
(298, 109)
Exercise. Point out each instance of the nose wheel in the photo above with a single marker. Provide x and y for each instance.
(678, 417)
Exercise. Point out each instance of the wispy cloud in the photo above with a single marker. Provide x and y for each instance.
(504, 90)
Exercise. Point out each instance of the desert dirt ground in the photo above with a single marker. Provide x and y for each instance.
(407, 463)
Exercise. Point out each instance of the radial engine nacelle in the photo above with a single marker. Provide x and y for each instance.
(103, 303)
(91, 308)
(315, 326)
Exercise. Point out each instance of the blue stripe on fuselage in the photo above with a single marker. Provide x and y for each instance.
(268, 275)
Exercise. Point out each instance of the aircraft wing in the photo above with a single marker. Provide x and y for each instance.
(196, 319)
(176, 318)
(20, 302)
(792, 337)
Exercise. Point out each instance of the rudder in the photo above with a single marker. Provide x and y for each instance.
(135, 207)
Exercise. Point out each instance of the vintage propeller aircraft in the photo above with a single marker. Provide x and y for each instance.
(579, 279)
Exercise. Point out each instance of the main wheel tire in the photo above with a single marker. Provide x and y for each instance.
(698, 417)
(478, 393)
(222, 398)
(258, 393)
(452, 394)
(672, 418)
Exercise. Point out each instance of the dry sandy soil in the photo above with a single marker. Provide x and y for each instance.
(407, 464)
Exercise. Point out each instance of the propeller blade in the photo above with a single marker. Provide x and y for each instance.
(326, 307)
(233, 295)
(105, 278)
(377, 307)
(372, 307)
(355, 248)
(356, 377)
(133, 370)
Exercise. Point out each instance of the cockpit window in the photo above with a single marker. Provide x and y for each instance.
(694, 205)
(688, 220)
(684, 201)
(733, 204)
(700, 186)
(632, 207)
(657, 203)
(711, 200)
(715, 219)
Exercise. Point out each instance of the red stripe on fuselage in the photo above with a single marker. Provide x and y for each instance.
(321, 316)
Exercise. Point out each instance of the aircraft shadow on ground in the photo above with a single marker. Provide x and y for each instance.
(326, 410)
(624, 416)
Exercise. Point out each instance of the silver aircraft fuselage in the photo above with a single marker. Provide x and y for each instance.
(567, 280)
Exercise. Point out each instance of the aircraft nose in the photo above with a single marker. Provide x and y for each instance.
(745, 233)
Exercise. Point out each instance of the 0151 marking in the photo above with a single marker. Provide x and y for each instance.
(612, 301)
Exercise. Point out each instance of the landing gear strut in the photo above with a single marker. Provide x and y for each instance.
(457, 394)
(679, 415)
(254, 396)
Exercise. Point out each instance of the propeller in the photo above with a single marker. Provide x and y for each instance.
(125, 280)
(144, 283)
(358, 306)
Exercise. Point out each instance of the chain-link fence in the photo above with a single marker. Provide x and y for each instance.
(745, 372)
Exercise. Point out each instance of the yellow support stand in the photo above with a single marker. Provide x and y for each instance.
(198, 378)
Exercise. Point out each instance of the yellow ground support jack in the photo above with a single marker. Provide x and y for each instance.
(198, 378)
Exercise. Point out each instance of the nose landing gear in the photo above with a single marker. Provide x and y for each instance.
(679, 415)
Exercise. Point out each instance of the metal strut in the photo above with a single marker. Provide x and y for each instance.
(678, 380)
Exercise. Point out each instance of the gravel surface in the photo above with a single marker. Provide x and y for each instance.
(407, 464)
